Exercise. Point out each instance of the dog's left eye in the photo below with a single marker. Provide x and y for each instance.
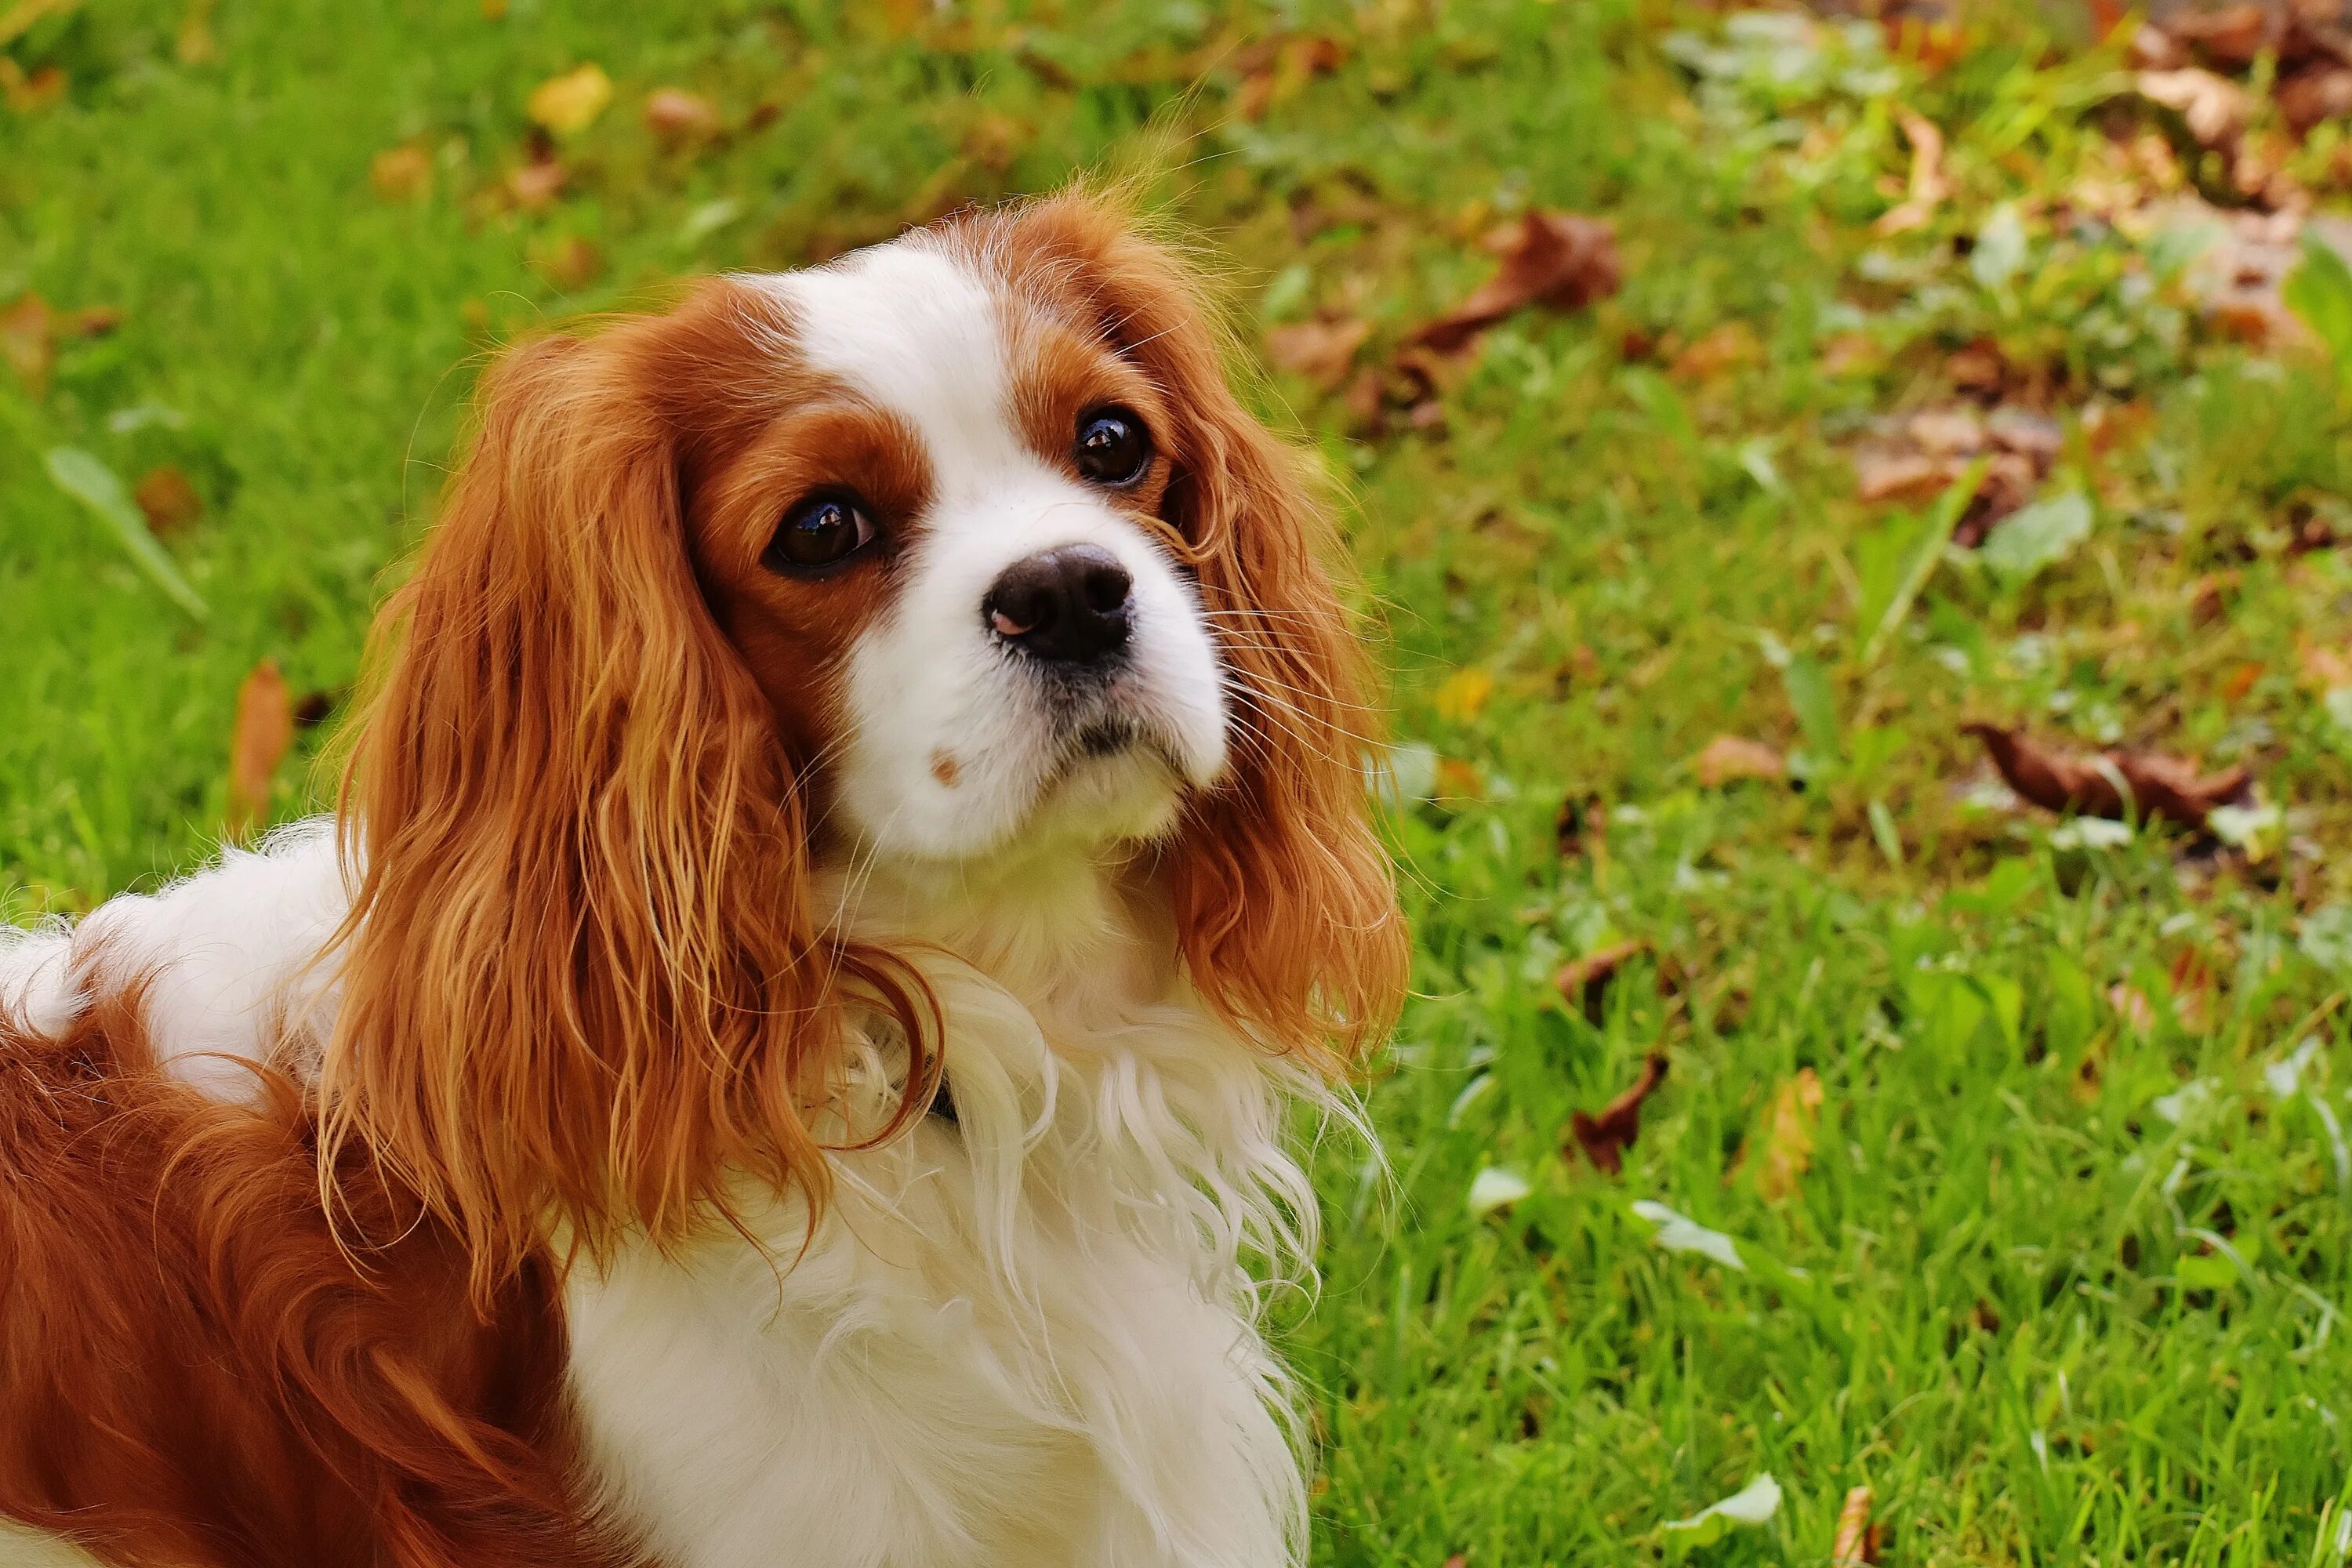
(819, 532)
(1114, 448)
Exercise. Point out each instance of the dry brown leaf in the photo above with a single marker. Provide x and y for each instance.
(2113, 784)
(1927, 187)
(1729, 345)
(1788, 1134)
(1856, 1545)
(1323, 351)
(2322, 667)
(2213, 107)
(1882, 473)
(1729, 757)
(679, 117)
(30, 94)
(2313, 96)
(535, 185)
(1583, 983)
(264, 731)
(168, 500)
(568, 104)
(401, 174)
(1605, 1137)
(569, 262)
(1559, 260)
(2229, 37)
(28, 340)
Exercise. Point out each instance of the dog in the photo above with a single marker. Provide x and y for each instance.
(854, 846)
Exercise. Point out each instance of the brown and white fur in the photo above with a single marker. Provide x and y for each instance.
(549, 1160)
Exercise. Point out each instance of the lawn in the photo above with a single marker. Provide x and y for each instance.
(2024, 1134)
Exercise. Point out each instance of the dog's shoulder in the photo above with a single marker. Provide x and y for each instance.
(223, 963)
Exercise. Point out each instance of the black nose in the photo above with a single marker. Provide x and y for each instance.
(1068, 604)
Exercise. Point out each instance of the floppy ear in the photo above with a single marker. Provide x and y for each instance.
(580, 980)
(1286, 903)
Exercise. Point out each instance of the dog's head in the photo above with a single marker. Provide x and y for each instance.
(957, 550)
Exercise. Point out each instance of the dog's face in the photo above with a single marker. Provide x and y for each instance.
(946, 561)
(955, 549)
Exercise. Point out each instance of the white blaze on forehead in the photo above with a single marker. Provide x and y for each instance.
(917, 330)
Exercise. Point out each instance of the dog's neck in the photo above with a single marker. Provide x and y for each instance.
(1067, 931)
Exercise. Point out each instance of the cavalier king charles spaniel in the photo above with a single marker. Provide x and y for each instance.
(854, 845)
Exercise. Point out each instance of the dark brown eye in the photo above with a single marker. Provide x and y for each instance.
(822, 530)
(1114, 448)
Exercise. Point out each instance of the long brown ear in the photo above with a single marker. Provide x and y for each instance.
(581, 983)
(1286, 903)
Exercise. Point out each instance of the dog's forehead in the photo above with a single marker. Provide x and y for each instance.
(918, 327)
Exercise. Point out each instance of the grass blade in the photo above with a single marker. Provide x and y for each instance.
(99, 488)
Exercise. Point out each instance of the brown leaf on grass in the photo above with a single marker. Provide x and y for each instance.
(1583, 983)
(1927, 186)
(401, 174)
(1605, 1137)
(2213, 108)
(2115, 784)
(168, 500)
(680, 117)
(2322, 667)
(2313, 96)
(1729, 345)
(31, 93)
(568, 261)
(1788, 1134)
(1729, 757)
(28, 341)
(2229, 37)
(536, 184)
(1888, 474)
(1323, 349)
(1856, 1544)
(264, 731)
(1559, 260)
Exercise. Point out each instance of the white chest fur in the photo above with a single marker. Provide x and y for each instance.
(1021, 1340)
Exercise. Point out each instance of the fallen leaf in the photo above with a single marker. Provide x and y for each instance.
(1583, 983)
(100, 490)
(2230, 36)
(1679, 1233)
(680, 117)
(568, 104)
(1605, 1137)
(1559, 260)
(1495, 1189)
(2315, 95)
(1788, 1135)
(263, 734)
(568, 261)
(401, 174)
(1729, 345)
(2213, 108)
(168, 500)
(1927, 187)
(30, 94)
(535, 185)
(2322, 668)
(1856, 1544)
(1752, 1504)
(1729, 757)
(1323, 351)
(2241, 680)
(27, 341)
(1887, 474)
(2115, 783)
(1464, 696)
(194, 45)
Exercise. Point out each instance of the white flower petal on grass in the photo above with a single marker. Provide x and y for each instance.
(2185, 1102)
(1494, 1188)
(2243, 827)
(2285, 1077)
(1678, 1233)
(2090, 833)
(1752, 1504)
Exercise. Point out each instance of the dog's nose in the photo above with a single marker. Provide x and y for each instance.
(1068, 604)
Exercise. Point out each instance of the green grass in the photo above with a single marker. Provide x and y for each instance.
(2043, 1321)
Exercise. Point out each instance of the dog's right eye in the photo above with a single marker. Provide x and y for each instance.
(822, 530)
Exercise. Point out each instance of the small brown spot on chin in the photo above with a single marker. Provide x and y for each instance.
(945, 768)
